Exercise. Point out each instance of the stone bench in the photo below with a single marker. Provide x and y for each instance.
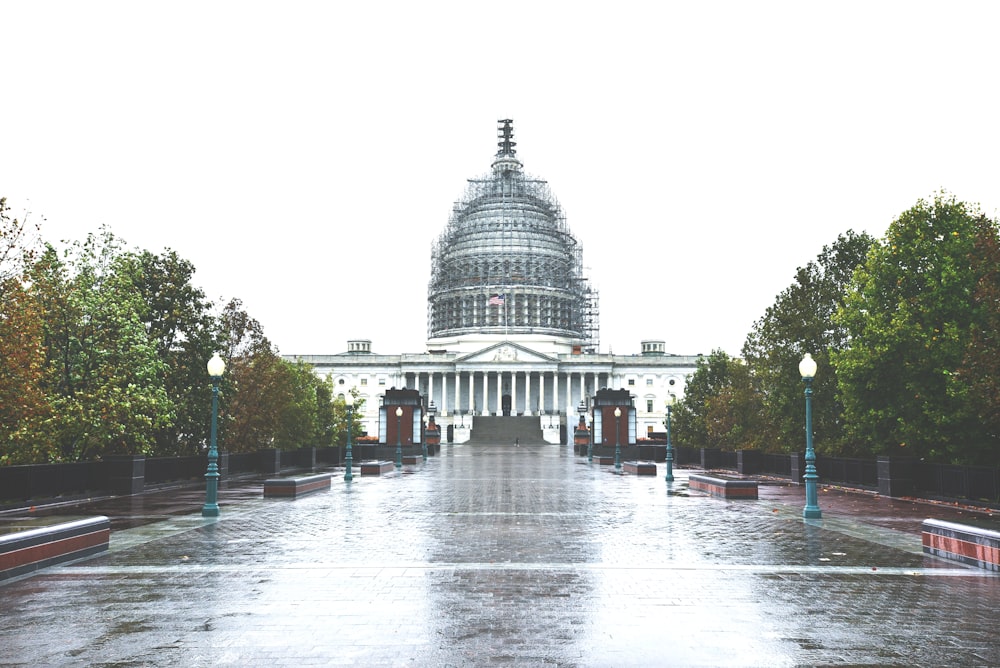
(725, 488)
(639, 468)
(604, 460)
(291, 488)
(960, 542)
(412, 459)
(377, 467)
(27, 545)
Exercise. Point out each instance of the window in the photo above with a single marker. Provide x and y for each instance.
(364, 381)
(649, 405)
(649, 382)
(631, 382)
(381, 380)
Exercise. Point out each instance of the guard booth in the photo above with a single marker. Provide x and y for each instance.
(604, 420)
(406, 428)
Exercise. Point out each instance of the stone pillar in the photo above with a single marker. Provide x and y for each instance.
(499, 410)
(472, 392)
(555, 392)
(797, 467)
(270, 461)
(127, 474)
(513, 393)
(541, 393)
(896, 476)
(748, 462)
(486, 393)
(430, 387)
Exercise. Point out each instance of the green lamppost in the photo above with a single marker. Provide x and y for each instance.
(216, 367)
(431, 411)
(670, 448)
(349, 460)
(618, 449)
(399, 438)
(590, 435)
(807, 368)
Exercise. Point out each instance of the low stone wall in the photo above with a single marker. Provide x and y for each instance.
(639, 468)
(377, 467)
(963, 543)
(27, 545)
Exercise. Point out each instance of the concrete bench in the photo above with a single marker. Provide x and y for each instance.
(725, 488)
(291, 488)
(377, 467)
(412, 459)
(639, 468)
(27, 545)
(604, 460)
(960, 542)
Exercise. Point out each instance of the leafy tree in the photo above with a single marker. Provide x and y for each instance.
(23, 405)
(801, 321)
(910, 315)
(249, 417)
(180, 325)
(339, 414)
(104, 378)
(981, 367)
(721, 408)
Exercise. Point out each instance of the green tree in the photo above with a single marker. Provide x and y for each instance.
(721, 407)
(800, 321)
(981, 367)
(339, 414)
(910, 314)
(179, 323)
(103, 377)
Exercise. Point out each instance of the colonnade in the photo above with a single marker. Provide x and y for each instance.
(531, 392)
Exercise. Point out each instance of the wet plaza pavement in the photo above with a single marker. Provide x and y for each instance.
(504, 556)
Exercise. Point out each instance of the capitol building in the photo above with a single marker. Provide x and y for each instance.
(512, 324)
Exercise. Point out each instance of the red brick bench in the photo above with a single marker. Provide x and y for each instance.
(377, 467)
(412, 459)
(726, 488)
(960, 542)
(639, 468)
(27, 545)
(291, 488)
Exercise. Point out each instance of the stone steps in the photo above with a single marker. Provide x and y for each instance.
(526, 430)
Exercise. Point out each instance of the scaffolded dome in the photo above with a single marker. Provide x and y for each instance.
(507, 263)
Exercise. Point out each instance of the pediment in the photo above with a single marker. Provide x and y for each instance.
(506, 352)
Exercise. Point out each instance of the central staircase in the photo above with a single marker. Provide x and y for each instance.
(494, 430)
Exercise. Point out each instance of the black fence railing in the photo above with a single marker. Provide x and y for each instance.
(127, 475)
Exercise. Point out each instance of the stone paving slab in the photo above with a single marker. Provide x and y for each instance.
(503, 556)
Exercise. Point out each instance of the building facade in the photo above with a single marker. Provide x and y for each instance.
(512, 322)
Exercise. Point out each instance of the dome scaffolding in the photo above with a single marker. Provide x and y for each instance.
(507, 262)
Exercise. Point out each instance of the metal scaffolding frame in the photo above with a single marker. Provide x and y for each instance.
(507, 263)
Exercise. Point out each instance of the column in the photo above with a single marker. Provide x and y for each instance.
(485, 408)
(529, 409)
(430, 388)
(499, 409)
(513, 393)
(555, 392)
(472, 392)
(541, 392)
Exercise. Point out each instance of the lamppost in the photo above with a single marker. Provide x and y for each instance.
(349, 461)
(431, 410)
(670, 448)
(399, 438)
(216, 367)
(807, 368)
(618, 450)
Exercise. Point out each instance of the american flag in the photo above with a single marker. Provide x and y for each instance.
(495, 300)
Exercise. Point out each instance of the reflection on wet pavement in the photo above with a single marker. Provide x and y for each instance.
(505, 556)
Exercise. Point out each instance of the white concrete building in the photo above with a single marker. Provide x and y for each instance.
(513, 324)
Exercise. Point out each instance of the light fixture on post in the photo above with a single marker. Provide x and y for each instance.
(216, 367)
(431, 410)
(618, 450)
(349, 459)
(670, 449)
(399, 438)
(807, 369)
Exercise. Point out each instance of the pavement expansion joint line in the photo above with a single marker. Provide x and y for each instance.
(416, 568)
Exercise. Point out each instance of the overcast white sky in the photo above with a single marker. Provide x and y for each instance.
(294, 151)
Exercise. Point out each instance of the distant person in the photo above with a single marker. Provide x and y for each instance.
(517, 443)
